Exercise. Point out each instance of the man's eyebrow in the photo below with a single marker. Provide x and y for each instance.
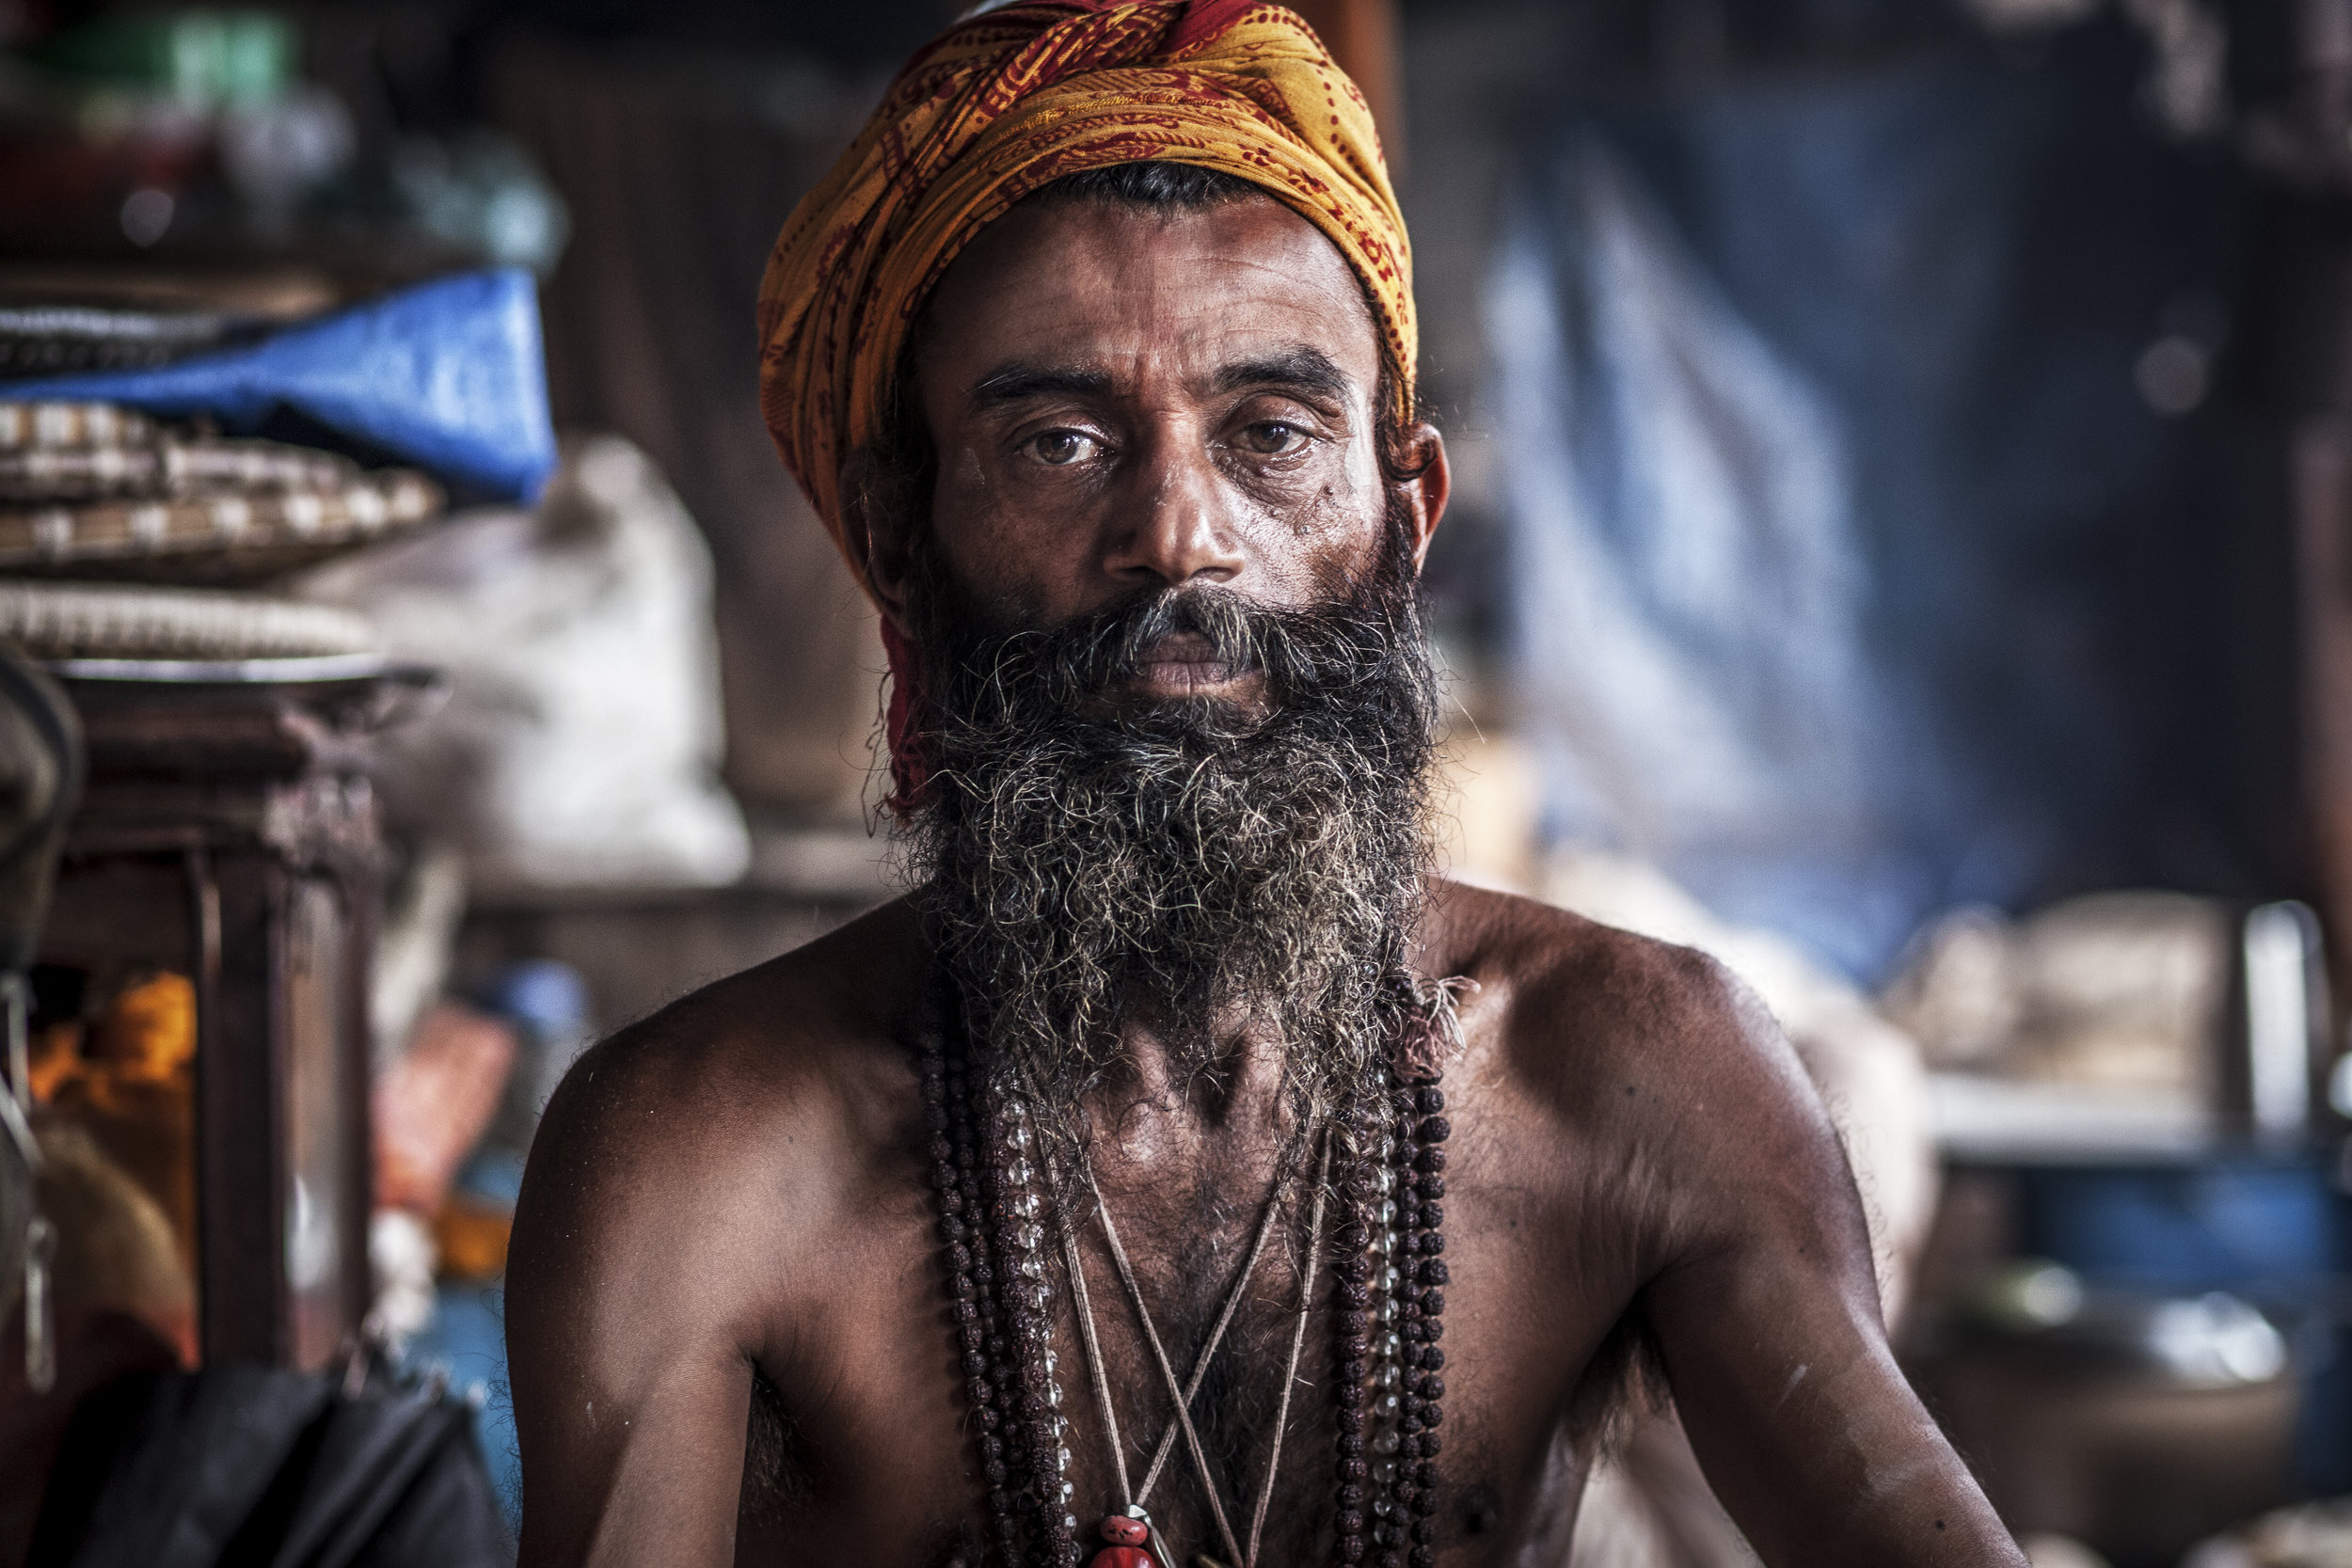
(1018, 383)
(1298, 368)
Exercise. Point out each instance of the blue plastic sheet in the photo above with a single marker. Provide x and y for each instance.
(1851, 577)
(450, 376)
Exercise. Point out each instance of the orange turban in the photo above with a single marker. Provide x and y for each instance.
(1009, 101)
(1004, 102)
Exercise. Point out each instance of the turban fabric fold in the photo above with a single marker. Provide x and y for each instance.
(1009, 101)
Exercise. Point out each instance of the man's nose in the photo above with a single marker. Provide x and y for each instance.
(1177, 529)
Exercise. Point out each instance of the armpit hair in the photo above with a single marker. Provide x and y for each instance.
(1624, 1383)
(775, 1460)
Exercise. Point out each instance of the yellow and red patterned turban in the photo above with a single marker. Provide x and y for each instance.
(1011, 100)
(1005, 102)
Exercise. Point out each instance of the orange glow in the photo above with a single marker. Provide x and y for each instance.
(149, 1032)
(470, 1237)
(131, 1082)
(57, 1058)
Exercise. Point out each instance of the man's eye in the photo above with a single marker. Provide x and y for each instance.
(1061, 448)
(1273, 439)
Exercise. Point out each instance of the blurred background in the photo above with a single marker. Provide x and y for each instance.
(1902, 544)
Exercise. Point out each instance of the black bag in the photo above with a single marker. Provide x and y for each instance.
(254, 1467)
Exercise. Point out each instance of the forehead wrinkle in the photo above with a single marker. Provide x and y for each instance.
(1295, 366)
(1171, 304)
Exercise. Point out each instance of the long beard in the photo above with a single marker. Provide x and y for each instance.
(1186, 867)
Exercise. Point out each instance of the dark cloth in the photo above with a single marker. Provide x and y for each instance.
(238, 1466)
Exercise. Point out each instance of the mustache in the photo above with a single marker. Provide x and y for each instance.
(1319, 654)
(1110, 648)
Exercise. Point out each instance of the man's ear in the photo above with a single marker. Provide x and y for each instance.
(1430, 486)
(873, 522)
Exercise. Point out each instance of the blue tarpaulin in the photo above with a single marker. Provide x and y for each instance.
(449, 376)
(1853, 576)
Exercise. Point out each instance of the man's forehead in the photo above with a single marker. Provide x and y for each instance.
(1088, 296)
(1296, 367)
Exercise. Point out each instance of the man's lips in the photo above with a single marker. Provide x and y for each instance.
(1182, 664)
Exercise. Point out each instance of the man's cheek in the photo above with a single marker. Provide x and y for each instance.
(1007, 580)
(991, 540)
(1318, 549)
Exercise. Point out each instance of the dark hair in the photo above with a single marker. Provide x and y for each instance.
(1156, 184)
(901, 462)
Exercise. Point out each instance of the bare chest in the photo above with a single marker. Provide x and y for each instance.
(868, 1447)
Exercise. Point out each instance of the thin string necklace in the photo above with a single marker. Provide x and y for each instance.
(1120, 1533)
(1134, 1498)
(1387, 1300)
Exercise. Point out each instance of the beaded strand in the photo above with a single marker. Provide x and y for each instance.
(947, 1117)
(1389, 1391)
(1388, 1277)
(1351, 1270)
(1421, 1108)
(1022, 1235)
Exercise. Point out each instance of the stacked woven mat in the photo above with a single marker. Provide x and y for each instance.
(122, 538)
(99, 493)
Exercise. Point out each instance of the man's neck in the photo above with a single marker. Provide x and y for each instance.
(1163, 1102)
(1178, 1113)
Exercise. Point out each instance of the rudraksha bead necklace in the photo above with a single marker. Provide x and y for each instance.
(1389, 1274)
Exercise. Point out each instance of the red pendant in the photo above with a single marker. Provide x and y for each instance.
(1126, 1550)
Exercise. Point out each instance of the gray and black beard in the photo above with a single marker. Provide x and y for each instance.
(1188, 867)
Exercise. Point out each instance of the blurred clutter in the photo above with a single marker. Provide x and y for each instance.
(2317, 1536)
(2138, 1420)
(122, 1094)
(269, 308)
(2120, 989)
(446, 376)
(239, 1464)
(338, 334)
(189, 127)
(1911, 445)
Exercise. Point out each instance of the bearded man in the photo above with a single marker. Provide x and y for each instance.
(1180, 1174)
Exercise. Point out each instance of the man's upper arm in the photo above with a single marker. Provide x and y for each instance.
(1766, 1310)
(628, 1315)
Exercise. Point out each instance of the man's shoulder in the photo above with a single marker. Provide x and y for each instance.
(692, 1169)
(1542, 967)
(1569, 1004)
(1663, 1078)
(785, 1063)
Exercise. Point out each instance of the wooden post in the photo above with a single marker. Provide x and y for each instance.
(240, 1112)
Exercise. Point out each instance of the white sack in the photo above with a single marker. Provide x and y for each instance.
(581, 747)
